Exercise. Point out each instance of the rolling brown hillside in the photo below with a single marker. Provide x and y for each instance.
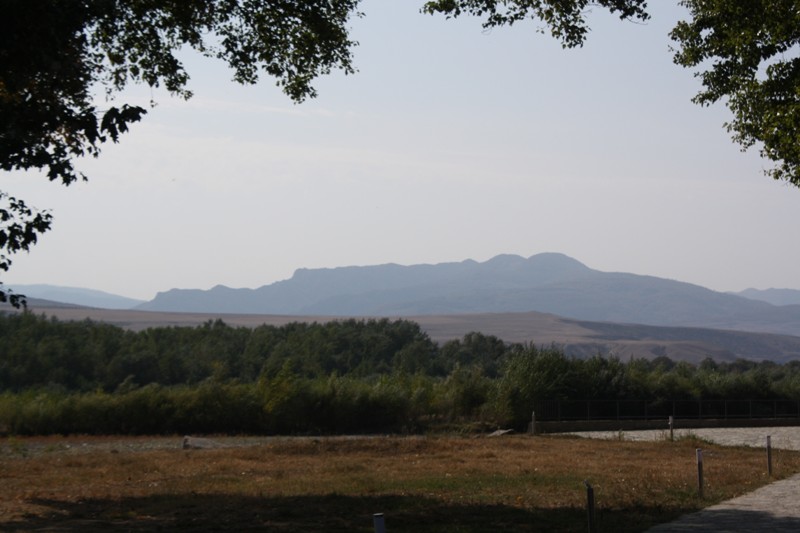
(578, 338)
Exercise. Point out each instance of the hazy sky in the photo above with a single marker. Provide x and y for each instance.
(449, 143)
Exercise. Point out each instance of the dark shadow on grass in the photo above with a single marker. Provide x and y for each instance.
(332, 513)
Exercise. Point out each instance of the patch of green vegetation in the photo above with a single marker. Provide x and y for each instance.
(350, 376)
(18, 447)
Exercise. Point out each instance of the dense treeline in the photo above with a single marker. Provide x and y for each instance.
(81, 356)
(340, 376)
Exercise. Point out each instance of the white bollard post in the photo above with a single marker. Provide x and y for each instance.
(377, 521)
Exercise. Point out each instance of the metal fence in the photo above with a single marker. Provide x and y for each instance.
(566, 410)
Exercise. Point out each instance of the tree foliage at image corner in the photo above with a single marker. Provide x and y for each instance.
(748, 53)
(58, 57)
(55, 56)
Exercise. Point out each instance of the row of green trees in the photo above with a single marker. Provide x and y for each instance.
(36, 351)
(338, 377)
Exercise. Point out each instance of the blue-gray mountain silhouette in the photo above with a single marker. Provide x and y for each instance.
(74, 296)
(549, 283)
(773, 296)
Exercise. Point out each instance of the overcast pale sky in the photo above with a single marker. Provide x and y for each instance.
(449, 143)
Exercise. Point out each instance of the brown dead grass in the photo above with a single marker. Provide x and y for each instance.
(335, 484)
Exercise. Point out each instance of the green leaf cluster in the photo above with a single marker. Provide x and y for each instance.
(54, 57)
(747, 51)
(20, 227)
(566, 21)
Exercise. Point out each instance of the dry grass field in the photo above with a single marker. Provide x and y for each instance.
(421, 484)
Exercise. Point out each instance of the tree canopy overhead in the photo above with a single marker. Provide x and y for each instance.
(566, 20)
(57, 55)
(748, 55)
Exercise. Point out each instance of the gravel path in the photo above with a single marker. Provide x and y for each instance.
(774, 508)
(786, 438)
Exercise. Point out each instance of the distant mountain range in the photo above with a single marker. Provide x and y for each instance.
(76, 296)
(586, 311)
(773, 296)
(546, 298)
(549, 283)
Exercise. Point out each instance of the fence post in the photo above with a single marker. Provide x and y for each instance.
(700, 472)
(590, 507)
(671, 428)
(533, 423)
(769, 455)
(378, 523)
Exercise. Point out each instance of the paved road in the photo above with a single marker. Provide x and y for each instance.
(773, 509)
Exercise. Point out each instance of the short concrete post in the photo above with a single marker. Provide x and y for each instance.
(533, 423)
(590, 508)
(377, 521)
(700, 472)
(769, 455)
